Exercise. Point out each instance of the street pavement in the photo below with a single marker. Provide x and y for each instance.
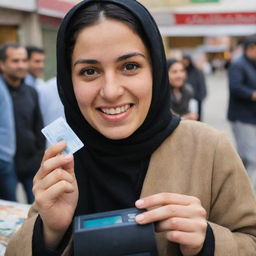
(214, 112)
(216, 103)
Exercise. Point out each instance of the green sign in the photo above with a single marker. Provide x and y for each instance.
(204, 1)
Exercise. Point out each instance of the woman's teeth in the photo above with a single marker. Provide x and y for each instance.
(114, 111)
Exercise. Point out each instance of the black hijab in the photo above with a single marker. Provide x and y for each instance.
(110, 173)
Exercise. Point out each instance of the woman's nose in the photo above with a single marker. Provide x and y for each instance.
(112, 87)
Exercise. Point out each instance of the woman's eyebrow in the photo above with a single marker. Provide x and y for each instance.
(121, 58)
(129, 55)
(86, 61)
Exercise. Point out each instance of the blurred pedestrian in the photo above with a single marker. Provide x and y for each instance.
(242, 104)
(36, 62)
(183, 103)
(8, 181)
(30, 142)
(196, 78)
(50, 103)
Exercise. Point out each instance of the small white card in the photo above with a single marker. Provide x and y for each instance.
(59, 130)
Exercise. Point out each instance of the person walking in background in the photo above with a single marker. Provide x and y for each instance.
(8, 181)
(182, 93)
(242, 105)
(36, 62)
(49, 101)
(196, 78)
(50, 104)
(30, 143)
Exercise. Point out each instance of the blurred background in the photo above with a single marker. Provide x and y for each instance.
(211, 30)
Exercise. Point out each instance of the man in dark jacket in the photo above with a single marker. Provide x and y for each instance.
(242, 105)
(30, 143)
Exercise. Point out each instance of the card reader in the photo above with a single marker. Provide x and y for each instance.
(113, 233)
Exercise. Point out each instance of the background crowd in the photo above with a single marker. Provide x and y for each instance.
(27, 105)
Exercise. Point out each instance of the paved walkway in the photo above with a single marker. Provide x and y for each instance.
(215, 106)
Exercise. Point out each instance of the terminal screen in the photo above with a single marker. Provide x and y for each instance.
(101, 222)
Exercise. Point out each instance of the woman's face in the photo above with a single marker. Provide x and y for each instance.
(177, 75)
(112, 78)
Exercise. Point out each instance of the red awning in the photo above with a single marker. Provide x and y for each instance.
(55, 8)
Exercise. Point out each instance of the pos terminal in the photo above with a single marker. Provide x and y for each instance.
(113, 233)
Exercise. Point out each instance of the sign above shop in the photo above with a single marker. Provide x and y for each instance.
(239, 18)
(56, 8)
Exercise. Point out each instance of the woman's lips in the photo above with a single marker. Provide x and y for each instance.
(115, 110)
(115, 114)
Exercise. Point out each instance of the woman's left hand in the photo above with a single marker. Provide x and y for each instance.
(182, 219)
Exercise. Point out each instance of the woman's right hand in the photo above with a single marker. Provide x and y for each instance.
(56, 193)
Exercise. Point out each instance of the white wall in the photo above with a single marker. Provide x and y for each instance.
(23, 5)
(30, 32)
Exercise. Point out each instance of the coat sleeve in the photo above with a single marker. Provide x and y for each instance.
(21, 242)
(233, 204)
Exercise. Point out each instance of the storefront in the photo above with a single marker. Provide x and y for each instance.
(17, 21)
(210, 29)
(8, 33)
(50, 15)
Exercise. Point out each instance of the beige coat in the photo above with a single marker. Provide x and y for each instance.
(195, 160)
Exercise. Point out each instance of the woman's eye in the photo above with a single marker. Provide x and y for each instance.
(89, 72)
(131, 66)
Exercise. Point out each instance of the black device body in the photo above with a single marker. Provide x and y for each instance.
(113, 233)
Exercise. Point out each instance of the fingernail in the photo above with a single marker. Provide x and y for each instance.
(68, 157)
(139, 218)
(139, 203)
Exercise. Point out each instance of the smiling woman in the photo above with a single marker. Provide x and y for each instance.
(181, 92)
(113, 82)
(112, 78)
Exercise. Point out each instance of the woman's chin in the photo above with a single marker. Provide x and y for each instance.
(117, 134)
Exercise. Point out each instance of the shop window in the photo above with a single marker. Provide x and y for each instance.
(8, 34)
